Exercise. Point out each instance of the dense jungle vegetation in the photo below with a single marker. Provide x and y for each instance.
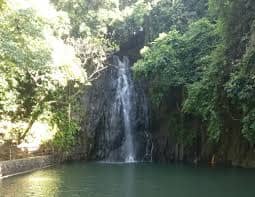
(201, 50)
(210, 60)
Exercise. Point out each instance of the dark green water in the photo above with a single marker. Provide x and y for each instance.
(131, 180)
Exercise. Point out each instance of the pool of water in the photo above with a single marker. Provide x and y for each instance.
(131, 180)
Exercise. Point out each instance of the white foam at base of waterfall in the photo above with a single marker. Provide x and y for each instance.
(130, 159)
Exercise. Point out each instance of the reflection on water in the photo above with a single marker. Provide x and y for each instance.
(34, 184)
(130, 180)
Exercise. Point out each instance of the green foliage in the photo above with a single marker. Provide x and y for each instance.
(23, 28)
(129, 23)
(153, 18)
(187, 61)
(240, 89)
(24, 59)
(160, 65)
(212, 60)
(248, 129)
(237, 17)
(167, 16)
(67, 129)
(117, 21)
(176, 59)
(203, 95)
(179, 125)
(86, 24)
(33, 82)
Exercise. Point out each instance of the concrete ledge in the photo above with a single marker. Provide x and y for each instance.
(20, 166)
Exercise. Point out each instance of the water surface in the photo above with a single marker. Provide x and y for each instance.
(131, 180)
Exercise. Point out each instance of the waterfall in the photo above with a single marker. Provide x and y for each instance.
(116, 120)
(123, 106)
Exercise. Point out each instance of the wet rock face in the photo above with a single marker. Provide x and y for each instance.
(103, 129)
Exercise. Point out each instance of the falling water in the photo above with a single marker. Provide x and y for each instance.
(123, 104)
(117, 123)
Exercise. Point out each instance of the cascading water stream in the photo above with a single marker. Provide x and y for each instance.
(121, 131)
(124, 105)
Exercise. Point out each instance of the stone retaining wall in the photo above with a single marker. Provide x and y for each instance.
(19, 166)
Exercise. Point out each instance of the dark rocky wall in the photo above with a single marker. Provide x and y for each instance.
(231, 149)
